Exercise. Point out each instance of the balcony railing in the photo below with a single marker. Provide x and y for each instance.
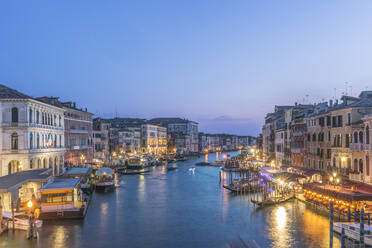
(356, 146)
(79, 131)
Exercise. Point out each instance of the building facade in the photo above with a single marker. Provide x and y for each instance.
(32, 134)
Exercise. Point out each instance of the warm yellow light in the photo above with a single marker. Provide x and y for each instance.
(29, 204)
(331, 179)
(343, 159)
(334, 174)
(337, 180)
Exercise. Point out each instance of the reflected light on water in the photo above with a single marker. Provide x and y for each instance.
(59, 236)
(281, 218)
(206, 158)
(279, 230)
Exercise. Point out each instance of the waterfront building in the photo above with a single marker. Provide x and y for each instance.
(32, 134)
(101, 129)
(154, 139)
(183, 133)
(203, 144)
(78, 131)
(298, 140)
(130, 140)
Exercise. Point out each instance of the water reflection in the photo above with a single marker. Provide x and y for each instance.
(59, 236)
(279, 229)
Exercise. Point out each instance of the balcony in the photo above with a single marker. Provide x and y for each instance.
(356, 146)
(79, 131)
(356, 177)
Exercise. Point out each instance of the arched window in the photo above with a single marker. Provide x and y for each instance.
(38, 141)
(355, 137)
(60, 141)
(32, 164)
(60, 123)
(361, 165)
(367, 135)
(14, 141)
(37, 116)
(355, 165)
(308, 137)
(314, 137)
(367, 165)
(31, 141)
(361, 137)
(334, 161)
(14, 115)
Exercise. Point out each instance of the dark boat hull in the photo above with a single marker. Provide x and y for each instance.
(105, 188)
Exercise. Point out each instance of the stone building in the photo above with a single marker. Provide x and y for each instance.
(154, 139)
(32, 134)
(78, 131)
(183, 133)
(101, 131)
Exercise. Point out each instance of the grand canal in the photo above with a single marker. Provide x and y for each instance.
(181, 209)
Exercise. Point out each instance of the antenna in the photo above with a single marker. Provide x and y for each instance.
(346, 88)
(335, 93)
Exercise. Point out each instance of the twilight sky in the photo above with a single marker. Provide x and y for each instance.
(222, 63)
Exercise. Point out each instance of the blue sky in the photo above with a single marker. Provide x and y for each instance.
(224, 63)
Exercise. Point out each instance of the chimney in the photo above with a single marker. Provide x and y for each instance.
(330, 103)
(295, 103)
(74, 104)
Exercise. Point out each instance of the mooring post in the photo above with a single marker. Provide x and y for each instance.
(369, 218)
(348, 214)
(331, 224)
(362, 227)
(342, 237)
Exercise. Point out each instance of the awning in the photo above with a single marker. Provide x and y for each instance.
(12, 182)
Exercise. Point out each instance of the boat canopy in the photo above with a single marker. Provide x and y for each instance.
(104, 171)
(78, 171)
(61, 184)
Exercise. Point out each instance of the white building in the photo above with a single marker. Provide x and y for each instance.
(154, 139)
(32, 134)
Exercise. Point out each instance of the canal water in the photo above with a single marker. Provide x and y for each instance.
(181, 209)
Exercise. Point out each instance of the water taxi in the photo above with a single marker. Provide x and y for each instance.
(62, 198)
(21, 221)
(105, 179)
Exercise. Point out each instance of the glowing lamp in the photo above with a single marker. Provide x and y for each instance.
(29, 204)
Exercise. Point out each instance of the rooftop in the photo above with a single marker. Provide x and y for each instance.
(14, 181)
(78, 171)
(61, 183)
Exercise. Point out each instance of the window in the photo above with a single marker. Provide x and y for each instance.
(355, 165)
(348, 118)
(361, 165)
(329, 135)
(339, 121)
(328, 153)
(361, 137)
(314, 137)
(355, 137)
(14, 115)
(31, 141)
(367, 135)
(38, 141)
(30, 116)
(334, 124)
(347, 139)
(37, 116)
(308, 137)
(14, 141)
(328, 120)
(367, 165)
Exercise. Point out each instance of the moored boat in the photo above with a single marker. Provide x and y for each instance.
(352, 231)
(62, 198)
(21, 221)
(104, 179)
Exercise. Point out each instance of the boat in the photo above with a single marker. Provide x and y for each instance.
(136, 171)
(352, 231)
(105, 179)
(172, 167)
(135, 163)
(62, 198)
(203, 164)
(85, 173)
(272, 200)
(21, 221)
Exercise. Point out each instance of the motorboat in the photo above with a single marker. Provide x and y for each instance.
(21, 221)
(105, 179)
